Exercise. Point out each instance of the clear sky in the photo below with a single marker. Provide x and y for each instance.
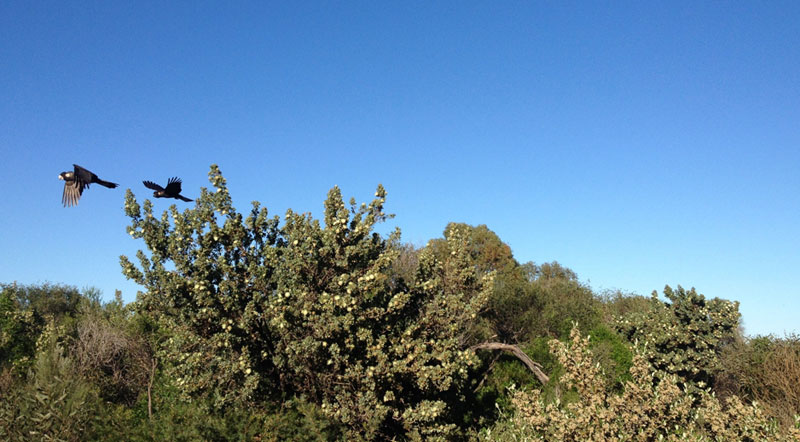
(638, 143)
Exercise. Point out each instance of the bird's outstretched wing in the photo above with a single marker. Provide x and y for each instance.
(174, 186)
(72, 193)
(153, 186)
(83, 176)
(73, 189)
(87, 177)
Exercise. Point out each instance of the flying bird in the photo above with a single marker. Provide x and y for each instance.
(173, 189)
(76, 181)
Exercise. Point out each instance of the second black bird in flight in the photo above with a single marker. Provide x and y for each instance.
(173, 189)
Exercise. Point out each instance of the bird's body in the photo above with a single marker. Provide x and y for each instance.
(77, 180)
(173, 189)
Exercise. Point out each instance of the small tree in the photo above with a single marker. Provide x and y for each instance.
(258, 311)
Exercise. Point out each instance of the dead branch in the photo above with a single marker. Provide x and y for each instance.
(534, 367)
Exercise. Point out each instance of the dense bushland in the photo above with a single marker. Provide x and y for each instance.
(257, 327)
(649, 408)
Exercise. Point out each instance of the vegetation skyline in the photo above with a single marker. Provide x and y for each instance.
(265, 327)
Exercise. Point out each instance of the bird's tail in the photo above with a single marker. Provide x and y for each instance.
(183, 198)
(108, 184)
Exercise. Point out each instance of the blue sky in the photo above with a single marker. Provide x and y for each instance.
(639, 144)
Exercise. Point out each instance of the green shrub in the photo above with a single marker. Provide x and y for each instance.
(649, 408)
(17, 333)
(25, 311)
(54, 404)
(684, 336)
(611, 351)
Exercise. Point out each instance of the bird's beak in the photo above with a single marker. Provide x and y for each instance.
(60, 177)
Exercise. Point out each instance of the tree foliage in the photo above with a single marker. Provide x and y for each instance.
(686, 334)
(527, 300)
(257, 310)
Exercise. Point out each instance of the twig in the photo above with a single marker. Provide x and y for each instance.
(150, 389)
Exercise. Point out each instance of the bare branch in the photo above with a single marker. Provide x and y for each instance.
(534, 367)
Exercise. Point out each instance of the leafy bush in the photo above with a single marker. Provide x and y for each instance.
(686, 335)
(17, 332)
(47, 300)
(565, 301)
(25, 311)
(764, 369)
(54, 404)
(614, 356)
(650, 408)
(179, 420)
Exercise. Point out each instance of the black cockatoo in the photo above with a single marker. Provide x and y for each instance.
(76, 181)
(173, 189)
